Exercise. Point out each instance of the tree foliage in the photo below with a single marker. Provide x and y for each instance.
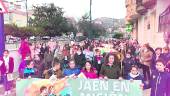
(90, 29)
(118, 35)
(50, 19)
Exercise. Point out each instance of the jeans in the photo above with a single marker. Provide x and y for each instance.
(5, 82)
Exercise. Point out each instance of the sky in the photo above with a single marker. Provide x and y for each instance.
(77, 8)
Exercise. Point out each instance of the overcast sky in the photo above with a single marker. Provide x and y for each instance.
(100, 8)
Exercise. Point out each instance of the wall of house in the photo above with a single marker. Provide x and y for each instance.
(148, 25)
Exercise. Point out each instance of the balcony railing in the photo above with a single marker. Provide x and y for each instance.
(140, 8)
(148, 3)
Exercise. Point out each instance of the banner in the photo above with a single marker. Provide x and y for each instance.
(31, 87)
(80, 87)
(110, 87)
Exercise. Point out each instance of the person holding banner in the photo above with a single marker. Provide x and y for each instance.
(72, 70)
(29, 71)
(110, 69)
(6, 70)
(56, 70)
(89, 71)
(160, 80)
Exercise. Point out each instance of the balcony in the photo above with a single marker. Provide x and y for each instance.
(148, 3)
(140, 8)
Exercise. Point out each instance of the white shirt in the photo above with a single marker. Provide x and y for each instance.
(6, 59)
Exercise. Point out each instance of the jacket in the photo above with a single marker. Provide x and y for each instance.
(68, 72)
(160, 84)
(10, 64)
(112, 72)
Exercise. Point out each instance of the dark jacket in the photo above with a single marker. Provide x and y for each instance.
(127, 63)
(112, 72)
(80, 60)
(160, 84)
(98, 61)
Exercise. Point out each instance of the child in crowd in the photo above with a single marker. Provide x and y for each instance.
(29, 71)
(43, 91)
(72, 70)
(89, 71)
(160, 85)
(98, 60)
(23, 65)
(128, 62)
(134, 74)
(56, 70)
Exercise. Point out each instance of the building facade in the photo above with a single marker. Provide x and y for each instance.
(148, 20)
(16, 13)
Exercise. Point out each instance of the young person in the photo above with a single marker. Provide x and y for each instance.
(29, 71)
(89, 71)
(55, 70)
(160, 85)
(6, 68)
(111, 69)
(127, 63)
(72, 70)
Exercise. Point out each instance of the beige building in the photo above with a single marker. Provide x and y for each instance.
(16, 14)
(147, 18)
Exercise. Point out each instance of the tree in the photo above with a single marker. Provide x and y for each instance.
(86, 27)
(118, 35)
(50, 19)
(10, 29)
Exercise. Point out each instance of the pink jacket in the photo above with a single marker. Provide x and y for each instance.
(91, 75)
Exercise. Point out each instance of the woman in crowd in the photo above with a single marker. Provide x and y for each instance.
(146, 58)
(48, 58)
(79, 58)
(24, 49)
(89, 71)
(66, 55)
(89, 53)
(110, 69)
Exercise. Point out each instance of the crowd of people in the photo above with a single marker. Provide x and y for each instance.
(95, 59)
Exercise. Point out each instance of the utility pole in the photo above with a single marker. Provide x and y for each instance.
(26, 7)
(90, 13)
